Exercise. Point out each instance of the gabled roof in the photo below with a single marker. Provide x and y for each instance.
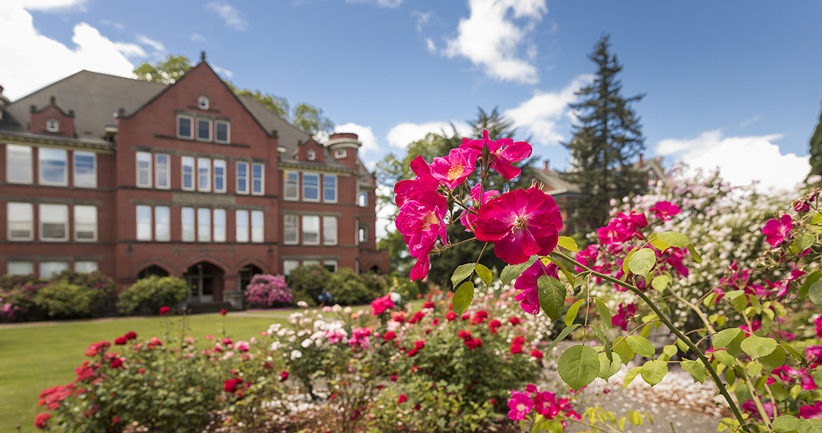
(553, 179)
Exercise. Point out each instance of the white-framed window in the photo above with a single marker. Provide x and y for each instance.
(50, 269)
(362, 199)
(311, 262)
(311, 155)
(289, 266)
(330, 230)
(18, 164)
(53, 166)
(53, 222)
(20, 224)
(203, 174)
(219, 175)
(331, 265)
(330, 188)
(222, 131)
(362, 234)
(257, 179)
(144, 169)
(188, 173)
(203, 225)
(52, 125)
(162, 171)
(85, 266)
(85, 223)
(187, 218)
(20, 268)
(162, 223)
(204, 129)
(143, 223)
(291, 180)
(185, 127)
(291, 229)
(257, 226)
(219, 225)
(311, 187)
(311, 230)
(340, 153)
(202, 103)
(241, 218)
(242, 178)
(85, 169)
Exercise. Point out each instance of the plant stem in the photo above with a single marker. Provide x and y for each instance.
(764, 415)
(677, 332)
(696, 309)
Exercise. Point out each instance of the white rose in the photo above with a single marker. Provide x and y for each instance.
(296, 354)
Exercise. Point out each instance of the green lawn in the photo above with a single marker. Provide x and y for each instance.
(37, 357)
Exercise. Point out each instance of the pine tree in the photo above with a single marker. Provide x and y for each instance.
(816, 150)
(607, 140)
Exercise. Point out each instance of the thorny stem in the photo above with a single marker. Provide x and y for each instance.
(759, 407)
(677, 332)
(696, 309)
(592, 426)
(439, 250)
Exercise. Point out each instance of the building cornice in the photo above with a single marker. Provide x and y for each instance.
(319, 168)
(36, 139)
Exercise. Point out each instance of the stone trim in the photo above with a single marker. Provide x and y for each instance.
(209, 155)
(319, 169)
(309, 257)
(57, 187)
(41, 258)
(205, 204)
(309, 212)
(73, 143)
(51, 200)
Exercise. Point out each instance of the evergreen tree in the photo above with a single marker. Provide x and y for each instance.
(816, 150)
(606, 141)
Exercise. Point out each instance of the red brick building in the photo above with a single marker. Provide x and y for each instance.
(135, 178)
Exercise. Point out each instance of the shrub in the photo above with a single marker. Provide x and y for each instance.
(346, 288)
(17, 295)
(65, 300)
(152, 293)
(308, 282)
(267, 290)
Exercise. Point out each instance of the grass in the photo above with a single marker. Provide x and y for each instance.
(36, 357)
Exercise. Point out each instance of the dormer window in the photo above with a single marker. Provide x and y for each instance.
(52, 125)
(311, 155)
(202, 103)
(340, 153)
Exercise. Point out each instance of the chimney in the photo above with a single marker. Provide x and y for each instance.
(547, 165)
(3, 102)
(640, 159)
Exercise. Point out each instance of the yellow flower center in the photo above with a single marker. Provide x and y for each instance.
(520, 223)
(455, 171)
(520, 407)
(430, 219)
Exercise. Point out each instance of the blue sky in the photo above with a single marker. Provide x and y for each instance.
(734, 84)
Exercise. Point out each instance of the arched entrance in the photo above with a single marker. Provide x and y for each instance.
(204, 280)
(245, 274)
(150, 271)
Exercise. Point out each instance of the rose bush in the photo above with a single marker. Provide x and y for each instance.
(267, 290)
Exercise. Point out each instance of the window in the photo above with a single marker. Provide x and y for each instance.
(362, 234)
(203, 174)
(291, 229)
(203, 224)
(219, 175)
(85, 223)
(50, 269)
(330, 230)
(204, 129)
(290, 265)
(219, 225)
(162, 163)
(362, 199)
(202, 102)
(188, 173)
(162, 223)
(85, 266)
(52, 125)
(184, 127)
(20, 221)
(311, 230)
(187, 215)
(53, 222)
(257, 179)
(18, 164)
(311, 187)
(292, 185)
(144, 169)
(330, 188)
(143, 223)
(85, 169)
(257, 232)
(331, 265)
(340, 153)
(311, 155)
(311, 262)
(242, 225)
(222, 131)
(53, 166)
(242, 178)
(20, 268)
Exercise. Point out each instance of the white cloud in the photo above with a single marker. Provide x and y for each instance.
(49, 5)
(381, 3)
(749, 121)
(492, 35)
(196, 37)
(422, 18)
(229, 14)
(541, 114)
(222, 71)
(145, 40)
(403, 134)
(741, 160)
(364, 133)
(47, 60)
(384, 213)
(116, 25)
(432, 48)
(130, 50)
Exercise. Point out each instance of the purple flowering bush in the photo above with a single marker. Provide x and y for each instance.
(267, 289)
(17, 295)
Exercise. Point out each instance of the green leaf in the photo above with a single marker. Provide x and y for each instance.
(660, 282)
(485, 274)
(682, 346)
(654, 371)
(694, 254)
(548, 260)
(635, 417)
(815, 293)
(642, 261)
(641, 346)
(511, 272)
(461, 273)
(757, 347)
(774, 360)
(675, 239)
(795, 353)
(621, 348)
(669, 350)
(658, 243)
(787, 423)
(724, 357)
(578, 366)
(551, 296)
(632, 374)
(605, 343)
(625, 262)
(805, 241)
(604, 313)
(735, 346)
(463, 298)
(696, 369)
(568, 243)
(608, 368)
(564, 333)
(571, 315)
(722, 338)
(812, 278)
(817, 218)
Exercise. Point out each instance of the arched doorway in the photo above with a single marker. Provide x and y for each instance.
(245, 274)
(151, 271)
(204, 280)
